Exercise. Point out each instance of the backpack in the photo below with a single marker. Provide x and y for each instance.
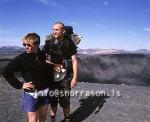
(69, 34)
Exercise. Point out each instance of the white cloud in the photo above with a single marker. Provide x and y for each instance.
(106, 3)
(133, 33)
(74, 23)
(147, 10)
(6, 32)
(71, 23)
(44, 1)
(10, 40)
(53, 4)
(3, 1)
(147, 29)
(100, 26)
(4, 42)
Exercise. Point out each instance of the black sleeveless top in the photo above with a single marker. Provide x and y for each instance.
(60, 50)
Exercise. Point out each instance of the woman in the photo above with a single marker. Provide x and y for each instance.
(37, 76)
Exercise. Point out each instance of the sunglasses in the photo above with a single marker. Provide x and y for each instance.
(29, 45)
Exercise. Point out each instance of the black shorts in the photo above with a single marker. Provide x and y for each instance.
(60, 92)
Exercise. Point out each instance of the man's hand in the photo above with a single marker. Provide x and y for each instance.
(73, 82)
(58, 67)
(28, 86)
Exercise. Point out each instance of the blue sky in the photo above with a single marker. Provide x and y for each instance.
(115, 24)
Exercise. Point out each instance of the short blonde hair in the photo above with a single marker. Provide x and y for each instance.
(32, 38)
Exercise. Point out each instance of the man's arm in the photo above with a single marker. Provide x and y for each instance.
(75, 70)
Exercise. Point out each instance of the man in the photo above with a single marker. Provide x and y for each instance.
(37, 76)
(62, 52)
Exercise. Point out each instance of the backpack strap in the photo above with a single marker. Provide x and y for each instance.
(49, 38)
(75, 38)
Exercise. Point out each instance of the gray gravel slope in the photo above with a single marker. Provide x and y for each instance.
(121, 103)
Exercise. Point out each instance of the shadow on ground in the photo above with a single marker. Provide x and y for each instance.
(87, 107)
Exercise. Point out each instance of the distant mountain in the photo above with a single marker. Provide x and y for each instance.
(17, 49)
(112, 51)
(143, 51)
(10, 49)
(99, 51)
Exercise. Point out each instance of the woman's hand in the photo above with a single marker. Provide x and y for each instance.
(28, 86)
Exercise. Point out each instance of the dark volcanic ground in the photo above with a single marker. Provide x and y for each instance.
(97, 73)
(121, 103)
(129, 69)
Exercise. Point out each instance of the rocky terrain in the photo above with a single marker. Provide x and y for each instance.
(108, 103)
(118, 83)
(129, 69)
